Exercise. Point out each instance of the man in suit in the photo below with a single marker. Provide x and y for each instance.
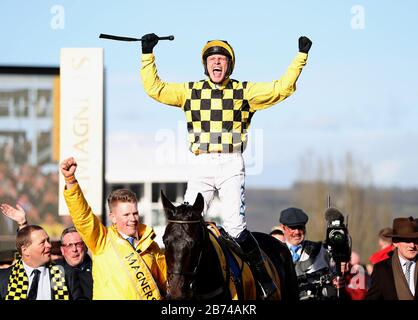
(33, 276)
(77, 263)
(396, 278)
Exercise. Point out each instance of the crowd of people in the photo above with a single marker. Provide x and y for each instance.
(35, 251)
(383, 278)
(124, 262)
(36, 192)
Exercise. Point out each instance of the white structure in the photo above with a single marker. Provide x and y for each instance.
(81, 121)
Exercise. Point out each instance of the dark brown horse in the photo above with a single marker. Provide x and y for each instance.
(193, 267)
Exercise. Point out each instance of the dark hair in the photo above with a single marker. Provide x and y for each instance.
(66, 231)
(121, 195)
(24, 238)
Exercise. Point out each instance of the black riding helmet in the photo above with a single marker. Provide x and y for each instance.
(219, 47)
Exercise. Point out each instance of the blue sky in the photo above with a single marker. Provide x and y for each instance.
(358, 92)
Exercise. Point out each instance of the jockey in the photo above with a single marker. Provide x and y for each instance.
(218, 113)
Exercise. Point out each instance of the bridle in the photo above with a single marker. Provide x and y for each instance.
(184, 222)
(213, 293)
(195, 271)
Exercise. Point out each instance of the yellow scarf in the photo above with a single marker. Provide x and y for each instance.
(132, 263)
(18, 285)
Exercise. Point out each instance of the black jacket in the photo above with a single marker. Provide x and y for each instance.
(383, 282)
(80, 276)
(73, 287)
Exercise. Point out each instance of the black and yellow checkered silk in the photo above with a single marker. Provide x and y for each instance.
(18, 285)
(58, 285)
(217, 119)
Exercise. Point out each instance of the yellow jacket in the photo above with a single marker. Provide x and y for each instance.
(260, 95)
(218, 116)
(109, 279)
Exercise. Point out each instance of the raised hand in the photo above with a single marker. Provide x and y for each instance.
(149, 41)
(16, 214)
(304, 44)
(68, 168)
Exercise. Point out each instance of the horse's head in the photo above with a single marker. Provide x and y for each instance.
(183, 240)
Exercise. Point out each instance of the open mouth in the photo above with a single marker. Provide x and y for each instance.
(217, 72)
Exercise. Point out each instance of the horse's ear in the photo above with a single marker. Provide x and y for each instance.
(169, 208)
(199, 204)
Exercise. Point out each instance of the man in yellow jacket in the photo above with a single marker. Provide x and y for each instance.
(218, 112)
(127, 263)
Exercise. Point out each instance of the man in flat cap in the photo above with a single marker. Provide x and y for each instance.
(396, 278)
(310, 258)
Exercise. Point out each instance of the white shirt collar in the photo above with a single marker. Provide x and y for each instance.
(403, 261)
(44, 285)
(412, 272)
(29, 269)
(290, 245)
(124, 236)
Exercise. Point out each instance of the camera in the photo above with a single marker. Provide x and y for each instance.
(338, 240)
(316, 286)
(322, 284)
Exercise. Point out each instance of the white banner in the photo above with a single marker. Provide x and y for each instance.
(81, 121)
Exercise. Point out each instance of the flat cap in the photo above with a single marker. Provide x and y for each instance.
(293, 217)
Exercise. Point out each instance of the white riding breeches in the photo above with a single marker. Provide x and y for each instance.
(224, 172)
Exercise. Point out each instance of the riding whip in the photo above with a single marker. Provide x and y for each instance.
(119, 38)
